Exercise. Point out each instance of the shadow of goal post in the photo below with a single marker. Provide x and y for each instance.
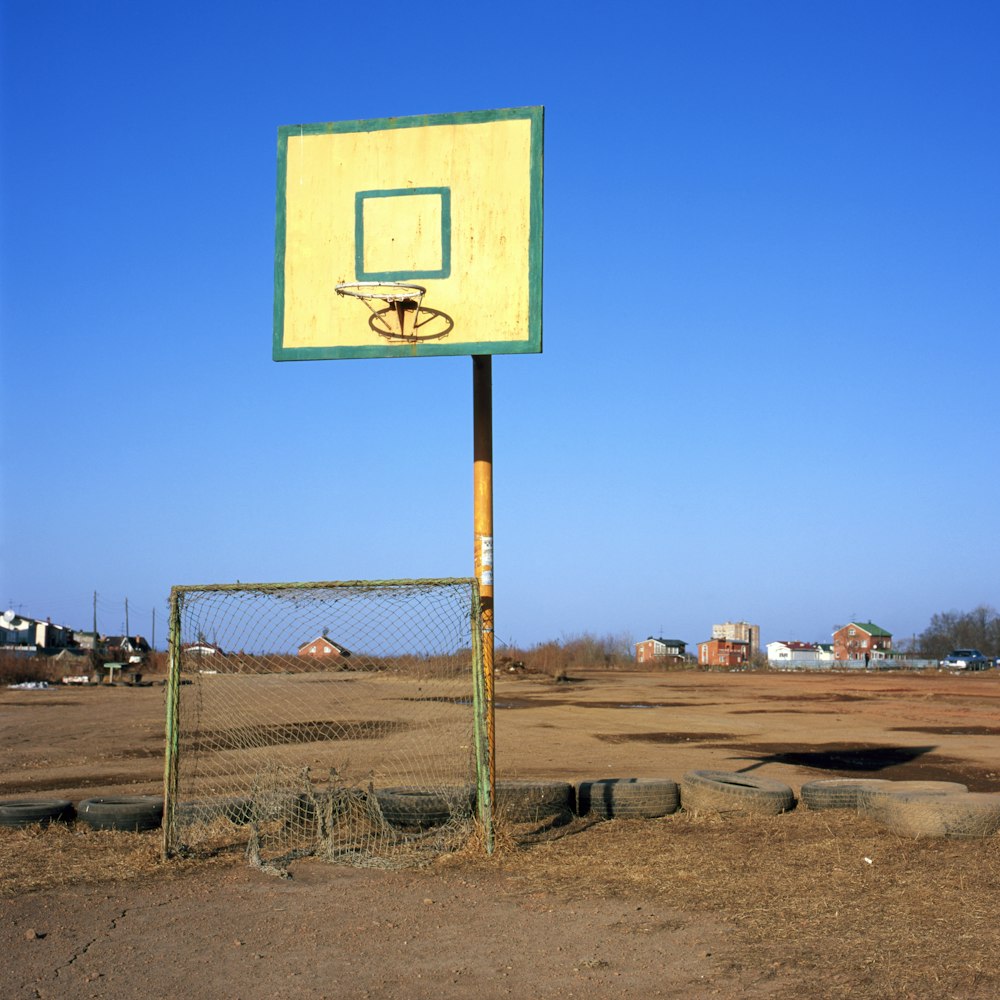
(293, 708)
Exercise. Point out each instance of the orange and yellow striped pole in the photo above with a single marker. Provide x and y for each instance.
(482, 472)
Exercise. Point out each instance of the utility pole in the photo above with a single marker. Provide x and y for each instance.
(126, 616)
(152, 634)
(93, 652)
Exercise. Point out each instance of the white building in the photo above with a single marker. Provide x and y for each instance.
(788, 651)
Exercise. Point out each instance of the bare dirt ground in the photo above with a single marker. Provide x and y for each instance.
(804, 904)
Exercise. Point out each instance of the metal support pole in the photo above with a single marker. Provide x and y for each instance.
(482, 472)
(170, 763)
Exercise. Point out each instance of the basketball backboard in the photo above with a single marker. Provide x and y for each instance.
(450, 205)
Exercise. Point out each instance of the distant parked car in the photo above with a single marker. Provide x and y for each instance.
(965, 659)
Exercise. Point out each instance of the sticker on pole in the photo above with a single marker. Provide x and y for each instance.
(486, 560)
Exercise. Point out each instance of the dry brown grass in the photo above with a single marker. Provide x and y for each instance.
(826, 901)
(34, 858)
(917, 919)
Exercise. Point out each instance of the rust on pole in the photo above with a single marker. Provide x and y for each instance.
(482, 472)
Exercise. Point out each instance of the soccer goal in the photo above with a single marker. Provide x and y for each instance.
(340, 720)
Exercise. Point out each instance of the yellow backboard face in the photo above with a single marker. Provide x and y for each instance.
(449, 203)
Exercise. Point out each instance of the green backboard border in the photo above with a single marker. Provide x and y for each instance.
(532, 344)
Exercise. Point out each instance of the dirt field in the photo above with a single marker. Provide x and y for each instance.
(805, 904)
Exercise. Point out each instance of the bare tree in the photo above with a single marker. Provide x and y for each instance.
(975, 629)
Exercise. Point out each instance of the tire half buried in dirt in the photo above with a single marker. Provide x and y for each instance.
(533, 801)
(136, 813)
(25, 812)
(838, 793)
(420, 808)
(948, 814)
(869, 797)
(627, 798)
(727, 791)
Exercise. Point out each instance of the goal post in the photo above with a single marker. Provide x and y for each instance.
(345, 720)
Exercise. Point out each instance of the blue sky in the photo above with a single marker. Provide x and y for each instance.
(772, 303)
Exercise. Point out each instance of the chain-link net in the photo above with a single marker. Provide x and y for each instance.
(337, 719)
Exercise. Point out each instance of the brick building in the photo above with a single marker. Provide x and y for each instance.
(723, 653)
(660, 651)
(861, 641)
(323, 646)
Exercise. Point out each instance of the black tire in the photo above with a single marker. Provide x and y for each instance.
(838, 793)
(236, 809)
(25, 812)
(945, 814)
(135, 813)
(726, 791)
(627, 798)
(420, 808)
(871, 797)
(533, 801)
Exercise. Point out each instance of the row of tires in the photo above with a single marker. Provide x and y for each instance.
(127, 812)
(535, 801)
(910, 808)
(407, 808)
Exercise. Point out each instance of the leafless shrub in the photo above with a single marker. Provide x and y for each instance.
(975, 629)
(558, 657)
(17, 669)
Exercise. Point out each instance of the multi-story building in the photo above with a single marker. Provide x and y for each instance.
(739, 632)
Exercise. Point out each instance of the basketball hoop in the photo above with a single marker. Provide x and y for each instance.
(394, 306)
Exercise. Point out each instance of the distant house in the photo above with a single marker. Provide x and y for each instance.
(201, 648)
(723, 652)
(16, 630)
(661, 651)
(789, 651)
(53, 637)
(861, 641)
(86, 640)
(32, 634)
(323, 646)
(126, 648)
